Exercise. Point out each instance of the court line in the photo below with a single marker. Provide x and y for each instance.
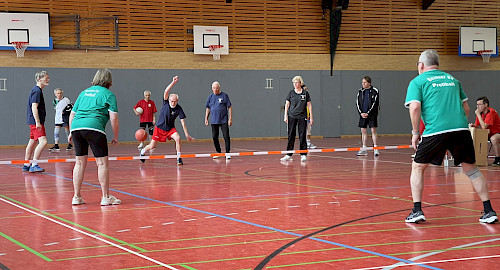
(26, 247)
(442, 251)
(249, 223)
(88, 234)
(439, 261)
(258, 153)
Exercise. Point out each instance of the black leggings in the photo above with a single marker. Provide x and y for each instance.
(225, 134)
(302, 126)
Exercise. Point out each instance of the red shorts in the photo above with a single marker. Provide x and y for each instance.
(161, 135)
(35, 133)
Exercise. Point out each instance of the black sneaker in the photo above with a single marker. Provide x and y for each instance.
(70, 146)
(415, 217)
(179, 161)
(490, 217)
(496, 163)
(55, 148)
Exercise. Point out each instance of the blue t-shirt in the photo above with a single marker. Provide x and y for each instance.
(218, 105)
(36, 96)
(166, 120)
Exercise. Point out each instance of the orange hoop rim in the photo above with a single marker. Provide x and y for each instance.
(213, 47)
(19, 44)
(485, 52)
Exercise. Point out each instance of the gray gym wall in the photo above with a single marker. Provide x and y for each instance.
(256, 110)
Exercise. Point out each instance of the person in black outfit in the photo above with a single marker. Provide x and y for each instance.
(297, 103)
(367, 102)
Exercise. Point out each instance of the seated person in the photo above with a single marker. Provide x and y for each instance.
(487, 118)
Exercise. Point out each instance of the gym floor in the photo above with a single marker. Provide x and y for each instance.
(335, 211)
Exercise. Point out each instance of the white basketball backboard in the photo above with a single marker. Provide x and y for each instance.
(25, 27)
(205, 36)
(474, 39)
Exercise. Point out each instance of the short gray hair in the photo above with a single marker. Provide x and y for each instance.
(298, 79)
(103, 78)
(147, 92)
(216, 82)
(40, 74)
(429, 58)
(58, 89)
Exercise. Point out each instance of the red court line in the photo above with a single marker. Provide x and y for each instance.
(7, 162)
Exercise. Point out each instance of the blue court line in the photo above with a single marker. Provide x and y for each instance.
(256, 225)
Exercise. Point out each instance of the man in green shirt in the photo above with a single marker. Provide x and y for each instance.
(438, 98)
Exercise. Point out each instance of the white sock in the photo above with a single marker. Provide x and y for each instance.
(143, 150)
(178, 154)
(34, 164)
(27, 164)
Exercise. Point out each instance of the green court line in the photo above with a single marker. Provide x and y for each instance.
(266, 240)
(187, 267)
(26, 247)
(73, 223)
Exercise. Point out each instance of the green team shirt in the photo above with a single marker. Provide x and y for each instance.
(92, 109)
(441, 97)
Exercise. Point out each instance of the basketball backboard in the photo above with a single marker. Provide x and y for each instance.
(25, 27)
(206, 36)
(475, 39)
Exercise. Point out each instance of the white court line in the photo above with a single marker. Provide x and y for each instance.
(430, 262)
(88, 234)
(437, 252)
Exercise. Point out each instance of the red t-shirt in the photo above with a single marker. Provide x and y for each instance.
(491, 119)
(149, 109)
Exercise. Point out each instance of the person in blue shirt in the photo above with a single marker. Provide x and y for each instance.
(165, 128)
(36, 119)
(220, 111)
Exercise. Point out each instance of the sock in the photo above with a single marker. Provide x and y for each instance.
(27, 164)
(375, 145)
(67, 132)
(34, 164)
(143, 150)
(178, 154)
(417, 206)
(487, 206)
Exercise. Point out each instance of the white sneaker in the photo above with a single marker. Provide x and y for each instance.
(303, 158)
(286, 158)
(228, 157)
(140, 146)
(362, 153)
(312, 146)
(376, 153)
(216, 157)
(77, 201)
(110, 200)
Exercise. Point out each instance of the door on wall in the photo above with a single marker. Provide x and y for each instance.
(329, 106)
(285, 87)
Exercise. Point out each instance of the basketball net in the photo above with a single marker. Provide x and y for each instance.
(214, 49)
(486, 55)
(20, 47)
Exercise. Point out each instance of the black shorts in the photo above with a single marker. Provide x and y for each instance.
(433, 148)
(148, 126)
(97, 141)
(370, 121)
(62, 125)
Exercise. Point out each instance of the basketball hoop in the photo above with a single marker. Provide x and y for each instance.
(486, 55)
(214, 49)
(20, 47)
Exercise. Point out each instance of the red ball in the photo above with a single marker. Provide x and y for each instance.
(141, 135)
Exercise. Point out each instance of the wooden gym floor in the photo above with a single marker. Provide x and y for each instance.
(335, 211)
